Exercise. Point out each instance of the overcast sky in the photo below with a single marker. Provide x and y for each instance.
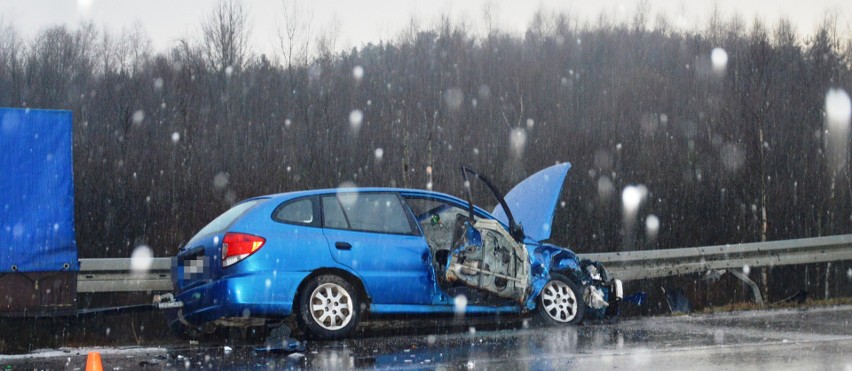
(363, 21)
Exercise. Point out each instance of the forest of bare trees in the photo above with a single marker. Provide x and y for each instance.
(724, 152)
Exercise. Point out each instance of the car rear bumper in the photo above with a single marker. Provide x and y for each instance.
(255, 294)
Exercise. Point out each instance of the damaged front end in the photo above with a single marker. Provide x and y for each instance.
(601, 294)
(514, 264)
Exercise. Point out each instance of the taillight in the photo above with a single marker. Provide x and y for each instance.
(238, 246)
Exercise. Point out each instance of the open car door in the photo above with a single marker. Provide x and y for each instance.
(486, 256)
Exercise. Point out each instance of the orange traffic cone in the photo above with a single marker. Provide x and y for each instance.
(93, 362)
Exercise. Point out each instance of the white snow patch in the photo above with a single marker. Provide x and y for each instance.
(460, 304)
(518, 141)
(484, 91)
(220, 180)
(138, 117)
(358, 73)
(454, 98)
(355, 119)
(632, 197)
(348, 199)
(141, 259)
(652, 226)
(719, 58)
(838, 115)
(605, 187)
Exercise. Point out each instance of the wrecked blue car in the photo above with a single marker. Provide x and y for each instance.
(325, 257)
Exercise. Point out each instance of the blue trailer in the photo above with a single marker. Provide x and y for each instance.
(38, 248)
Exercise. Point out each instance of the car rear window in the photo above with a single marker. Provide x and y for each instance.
(228, 217)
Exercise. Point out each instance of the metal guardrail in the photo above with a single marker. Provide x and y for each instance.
(117, 275)
(637, 265)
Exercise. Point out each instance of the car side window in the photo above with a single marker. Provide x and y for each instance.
(332, 212)
(302, 211)
(369, 212)
(437, 219)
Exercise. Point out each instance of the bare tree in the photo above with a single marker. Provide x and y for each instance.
(225, 36)
(327, 41)
(490, 17)
(136, 46)
(11, 63)
(294, 33)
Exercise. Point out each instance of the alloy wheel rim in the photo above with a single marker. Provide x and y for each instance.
(559, 302)
(331, 306)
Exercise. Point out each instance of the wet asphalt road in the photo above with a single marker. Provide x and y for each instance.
(795, 339)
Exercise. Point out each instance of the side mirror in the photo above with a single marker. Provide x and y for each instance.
(517, 232)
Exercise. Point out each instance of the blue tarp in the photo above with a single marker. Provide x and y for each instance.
(36, 191)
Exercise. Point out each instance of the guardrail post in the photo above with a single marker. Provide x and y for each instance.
(758, 299)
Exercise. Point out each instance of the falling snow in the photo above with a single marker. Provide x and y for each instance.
(838, 115)
(460, 304)
(453, 97)
(220, 180)
(652, 226)
(719, 58)
(355, 118)
(141, 259)
(518, 141)
(138, 117)
(632, 196)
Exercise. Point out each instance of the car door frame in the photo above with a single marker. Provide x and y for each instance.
(442, 296)
(387, 292)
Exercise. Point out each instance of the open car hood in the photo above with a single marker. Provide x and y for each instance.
(533, 201)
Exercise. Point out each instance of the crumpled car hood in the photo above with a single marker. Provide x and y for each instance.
(533, 201)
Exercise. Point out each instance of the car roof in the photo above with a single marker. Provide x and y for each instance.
(312, 192)
(410, 191)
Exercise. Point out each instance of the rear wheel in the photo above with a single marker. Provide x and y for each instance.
(560, 302)
(329, 307)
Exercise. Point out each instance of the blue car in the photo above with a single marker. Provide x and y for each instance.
(325, 257)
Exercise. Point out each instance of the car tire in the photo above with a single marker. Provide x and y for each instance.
(329, 307)
(560, 302)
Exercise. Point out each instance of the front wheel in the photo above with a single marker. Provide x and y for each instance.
(560, 302)
(329, 307)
